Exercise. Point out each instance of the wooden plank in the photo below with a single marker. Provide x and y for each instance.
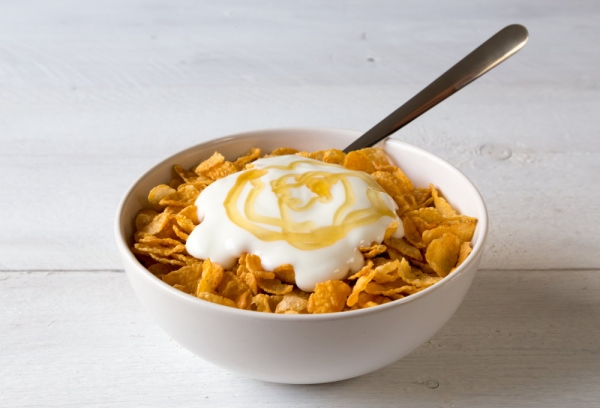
(68, 174)
(132, 44)
(520, 339)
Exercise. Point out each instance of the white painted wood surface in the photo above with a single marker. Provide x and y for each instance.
(519, 339)
(93, 93)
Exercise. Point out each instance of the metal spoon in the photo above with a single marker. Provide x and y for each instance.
(498, 48)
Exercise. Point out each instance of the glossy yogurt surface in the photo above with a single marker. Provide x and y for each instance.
(293, 210)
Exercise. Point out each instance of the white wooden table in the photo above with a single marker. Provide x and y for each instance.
(93, 93)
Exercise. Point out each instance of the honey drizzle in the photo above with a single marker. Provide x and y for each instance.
(304, 235)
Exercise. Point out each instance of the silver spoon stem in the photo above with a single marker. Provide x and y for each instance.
(498, 48)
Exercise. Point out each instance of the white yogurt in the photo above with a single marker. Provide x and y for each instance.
(293, 210)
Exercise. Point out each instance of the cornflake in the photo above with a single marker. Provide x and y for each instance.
(437, 239)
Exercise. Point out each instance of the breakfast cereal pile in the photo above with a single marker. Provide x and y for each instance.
(437, 239)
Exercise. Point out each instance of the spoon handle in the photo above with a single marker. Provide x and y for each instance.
(498, 48)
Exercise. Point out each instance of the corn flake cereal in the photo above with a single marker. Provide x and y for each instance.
(437, 239)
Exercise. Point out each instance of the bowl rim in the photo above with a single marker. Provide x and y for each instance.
(123, 247)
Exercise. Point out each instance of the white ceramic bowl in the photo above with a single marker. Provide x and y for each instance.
(303, 349)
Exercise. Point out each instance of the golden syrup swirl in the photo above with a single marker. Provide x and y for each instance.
(304, 235)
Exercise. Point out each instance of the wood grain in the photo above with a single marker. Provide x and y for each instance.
(93, 93)
(81, 339)
(68, 193)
